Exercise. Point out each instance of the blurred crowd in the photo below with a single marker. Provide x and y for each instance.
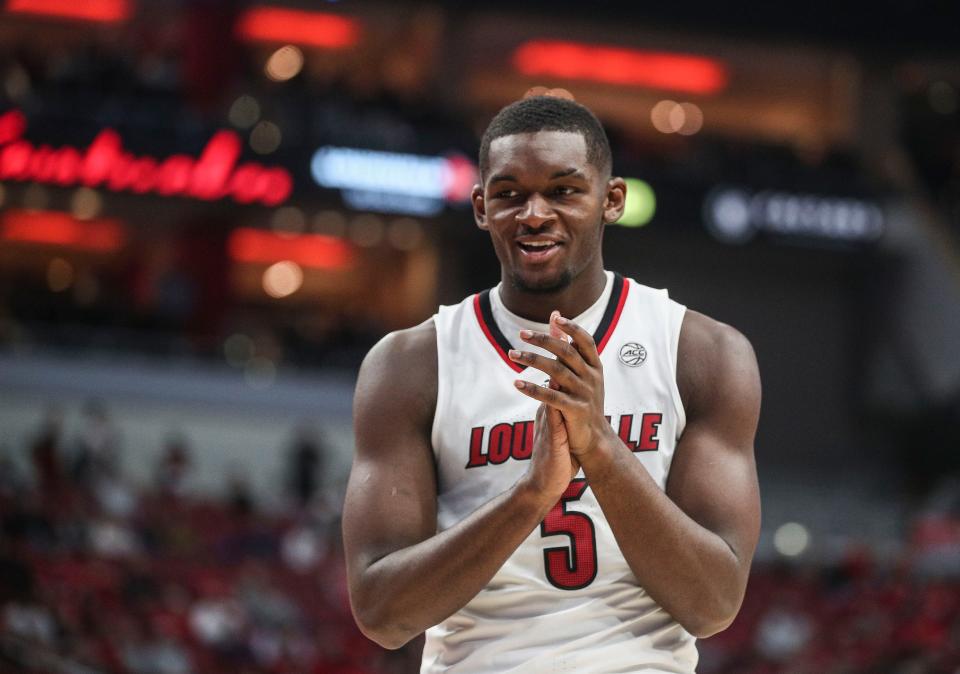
(98, 575)
(851, 617)
(101, 576)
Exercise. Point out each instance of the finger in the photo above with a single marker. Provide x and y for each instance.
(558, 372)
(548, 396)
(555, 331)
(582, 340)
(561, 348)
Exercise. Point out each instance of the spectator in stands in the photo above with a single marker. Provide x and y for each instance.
(173, 466)
(45, 453)
(305, 465)
(97, 448)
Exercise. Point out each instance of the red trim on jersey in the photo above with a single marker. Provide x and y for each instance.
(616, 317)
(490, 337)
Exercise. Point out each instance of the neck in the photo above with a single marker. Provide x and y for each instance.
(570, 301)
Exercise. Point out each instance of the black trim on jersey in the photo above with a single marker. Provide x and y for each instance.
(609, 314)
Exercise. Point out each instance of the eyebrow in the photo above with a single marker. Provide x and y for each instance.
(572, 172)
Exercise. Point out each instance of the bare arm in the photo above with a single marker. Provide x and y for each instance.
(690, 547)
(404, 576)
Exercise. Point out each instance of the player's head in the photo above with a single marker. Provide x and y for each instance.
(546, 192)
(549, 113)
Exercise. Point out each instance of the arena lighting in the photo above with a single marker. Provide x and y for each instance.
(54, 228)
(102, 11)
(735, 215)
(213, 175)
(247, 244)
(641, 203)
(621, 66)
(314, 29)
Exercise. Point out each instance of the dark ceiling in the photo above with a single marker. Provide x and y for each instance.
(891, 27)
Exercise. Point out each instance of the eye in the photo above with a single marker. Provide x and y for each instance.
(563, 190)
(505, 194)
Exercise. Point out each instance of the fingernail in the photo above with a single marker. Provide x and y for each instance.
(519, 383)
(555, 314)
(513, 353)
(561, 320)
(526, 334)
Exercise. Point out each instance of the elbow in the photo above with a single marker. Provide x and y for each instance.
(706, 618)
(377, 626)
(385, 638)
(702, 628)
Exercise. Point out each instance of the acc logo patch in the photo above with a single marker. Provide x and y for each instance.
(632, 354)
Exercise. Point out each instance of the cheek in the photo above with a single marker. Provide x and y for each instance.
(499, 239)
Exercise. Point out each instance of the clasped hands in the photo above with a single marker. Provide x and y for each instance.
(575, 389)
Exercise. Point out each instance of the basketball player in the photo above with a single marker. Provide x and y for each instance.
(557, 474)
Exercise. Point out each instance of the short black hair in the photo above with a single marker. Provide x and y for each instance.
(550, 113)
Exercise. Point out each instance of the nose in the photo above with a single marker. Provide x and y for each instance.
(536, 211)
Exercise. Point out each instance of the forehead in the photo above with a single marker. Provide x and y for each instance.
(541, 152)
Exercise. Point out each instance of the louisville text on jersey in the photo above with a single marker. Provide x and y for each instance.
(514, 440)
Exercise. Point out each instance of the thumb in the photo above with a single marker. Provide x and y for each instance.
(556, 425)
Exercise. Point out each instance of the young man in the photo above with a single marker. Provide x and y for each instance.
(555, 475)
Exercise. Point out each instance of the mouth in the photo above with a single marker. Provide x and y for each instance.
(539, 250)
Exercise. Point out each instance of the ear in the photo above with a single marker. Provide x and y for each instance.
(479, 208)
(615, 200)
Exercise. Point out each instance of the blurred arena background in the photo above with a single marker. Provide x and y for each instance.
(210, 210)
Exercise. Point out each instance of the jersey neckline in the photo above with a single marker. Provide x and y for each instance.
(490, 329)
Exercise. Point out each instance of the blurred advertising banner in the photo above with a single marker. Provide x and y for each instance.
(215, 173)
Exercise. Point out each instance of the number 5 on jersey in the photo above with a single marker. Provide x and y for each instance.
(574, 567)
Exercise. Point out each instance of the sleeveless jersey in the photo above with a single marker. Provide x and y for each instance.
(566, 600)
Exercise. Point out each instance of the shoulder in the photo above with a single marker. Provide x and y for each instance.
(715, 360)
(400, 373)
(400, 345)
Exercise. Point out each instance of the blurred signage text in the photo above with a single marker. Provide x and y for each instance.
(392, 182)
(213, 175)
(735, 215)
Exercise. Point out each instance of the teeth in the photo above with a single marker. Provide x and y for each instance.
(538, 244)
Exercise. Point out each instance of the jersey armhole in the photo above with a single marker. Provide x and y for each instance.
(676, 313)
(438, 412)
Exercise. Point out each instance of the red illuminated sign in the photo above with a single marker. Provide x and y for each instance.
(60, 229)
(308, 250)
(621, 66)
(103, 11)
(316, 29)
(213, 175)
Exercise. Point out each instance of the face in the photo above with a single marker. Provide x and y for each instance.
(545, 206)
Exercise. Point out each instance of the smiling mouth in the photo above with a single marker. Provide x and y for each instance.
(537, 247)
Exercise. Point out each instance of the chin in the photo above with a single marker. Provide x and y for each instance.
(545, 285)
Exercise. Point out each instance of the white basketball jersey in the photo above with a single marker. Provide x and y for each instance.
(566, 600)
